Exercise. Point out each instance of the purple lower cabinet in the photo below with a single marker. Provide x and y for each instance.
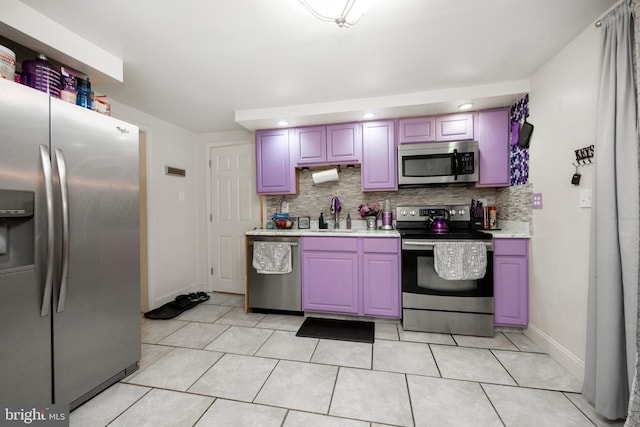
(511, 282)
(380, 290)
(330, 275)
(351, 275)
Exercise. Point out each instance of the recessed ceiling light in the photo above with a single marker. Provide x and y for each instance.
(368, 115)
(465, 106)
(283, 123)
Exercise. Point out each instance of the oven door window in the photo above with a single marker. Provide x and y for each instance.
(426, 166)
(419, 277)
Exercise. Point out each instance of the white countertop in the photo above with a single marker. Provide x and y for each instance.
(508, 230)
(511, 230)
(298, 232)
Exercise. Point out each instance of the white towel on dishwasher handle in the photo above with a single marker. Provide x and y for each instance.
(272, 257)
(460, 260)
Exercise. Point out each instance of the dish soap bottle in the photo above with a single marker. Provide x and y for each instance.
(348, 220)
(322, 222)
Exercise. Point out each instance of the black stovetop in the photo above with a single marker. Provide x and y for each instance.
(456, 232)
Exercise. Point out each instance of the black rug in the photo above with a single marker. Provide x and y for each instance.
(333, 329)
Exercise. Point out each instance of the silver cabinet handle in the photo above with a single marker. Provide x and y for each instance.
(48, 189)
(64, 195)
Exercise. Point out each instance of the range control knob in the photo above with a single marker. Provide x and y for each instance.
(461, 212)
(412, 212)
(452, 212)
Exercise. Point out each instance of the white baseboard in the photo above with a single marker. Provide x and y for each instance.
(559, 353)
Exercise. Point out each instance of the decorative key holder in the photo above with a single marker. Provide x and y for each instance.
(583, 158)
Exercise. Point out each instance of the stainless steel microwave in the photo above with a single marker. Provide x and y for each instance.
(437, 163)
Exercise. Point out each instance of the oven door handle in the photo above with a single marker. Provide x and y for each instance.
(417, 245)
(424, 245)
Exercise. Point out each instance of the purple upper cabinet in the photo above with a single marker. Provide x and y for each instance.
(274, 172)
(309, 145)
(379, 156)
(454, 127)
(344, 143)
(493, 145)
(420, 129)
(334, 144)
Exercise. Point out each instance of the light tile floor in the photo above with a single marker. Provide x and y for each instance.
(215, 365)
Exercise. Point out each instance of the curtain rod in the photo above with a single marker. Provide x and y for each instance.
(598, 23)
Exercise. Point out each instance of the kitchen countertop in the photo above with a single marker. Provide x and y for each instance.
(511, 230)
(299, 232)
(508, 230)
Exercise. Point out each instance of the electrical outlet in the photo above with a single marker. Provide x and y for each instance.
(537, 200)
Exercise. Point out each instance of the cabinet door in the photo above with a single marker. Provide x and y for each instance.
(454, 127)
(421, 129)
(381, 285)
(494, 149)
(274, 172)
(330, 282)
(344, 143)
(379, 156)
(309, 145)
(511, 290)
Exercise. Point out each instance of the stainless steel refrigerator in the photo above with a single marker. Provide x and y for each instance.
(69, 249)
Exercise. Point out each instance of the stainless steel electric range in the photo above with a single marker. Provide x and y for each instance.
(429, 302)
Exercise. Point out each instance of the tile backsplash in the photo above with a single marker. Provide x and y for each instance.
(513, 203)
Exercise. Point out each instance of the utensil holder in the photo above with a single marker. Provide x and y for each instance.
(372, 223)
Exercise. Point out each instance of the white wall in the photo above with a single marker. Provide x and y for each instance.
(173, 234)
(563, 101)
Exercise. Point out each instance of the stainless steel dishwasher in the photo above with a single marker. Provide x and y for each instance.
(275, 292)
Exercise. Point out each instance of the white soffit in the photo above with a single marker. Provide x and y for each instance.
(30, 28)
(394, 106)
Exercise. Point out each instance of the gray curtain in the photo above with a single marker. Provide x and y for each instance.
(613, 279)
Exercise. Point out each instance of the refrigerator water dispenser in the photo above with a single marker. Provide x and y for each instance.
(16, 228)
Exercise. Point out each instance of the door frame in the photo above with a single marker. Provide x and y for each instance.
(209, 212)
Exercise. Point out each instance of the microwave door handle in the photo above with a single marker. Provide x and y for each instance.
(456, 164)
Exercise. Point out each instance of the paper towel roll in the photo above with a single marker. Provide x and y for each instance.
(325, 176)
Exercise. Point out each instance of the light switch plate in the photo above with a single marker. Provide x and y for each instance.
(537, 200)
(586, 196)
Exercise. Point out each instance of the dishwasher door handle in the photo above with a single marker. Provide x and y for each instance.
(271, 241)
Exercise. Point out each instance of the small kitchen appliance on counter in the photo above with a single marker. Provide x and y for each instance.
(431, 303)
(387, 216)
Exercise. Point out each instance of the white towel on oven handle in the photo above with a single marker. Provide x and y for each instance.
(460, 260)
(272, 257)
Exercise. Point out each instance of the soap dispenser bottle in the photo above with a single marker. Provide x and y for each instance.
(348, 220)
(322, 222)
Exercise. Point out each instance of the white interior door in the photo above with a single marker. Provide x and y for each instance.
(235, 208)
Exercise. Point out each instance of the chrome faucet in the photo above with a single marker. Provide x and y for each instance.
(335, 209)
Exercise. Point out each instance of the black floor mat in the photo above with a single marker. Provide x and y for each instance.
(176, 307)
(333, 329)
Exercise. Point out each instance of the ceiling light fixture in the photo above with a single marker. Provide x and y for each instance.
(368, 116)
(465, 106)
(283, 123)
(343, 13)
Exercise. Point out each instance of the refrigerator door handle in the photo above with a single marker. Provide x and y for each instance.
(64, 195)
(48, 189)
